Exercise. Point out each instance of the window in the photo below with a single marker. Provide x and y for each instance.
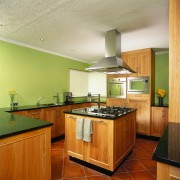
(83, 82)
(78, 82)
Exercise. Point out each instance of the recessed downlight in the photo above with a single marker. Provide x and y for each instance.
(41, 39)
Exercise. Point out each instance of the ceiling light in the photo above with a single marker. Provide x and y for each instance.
(41, 39)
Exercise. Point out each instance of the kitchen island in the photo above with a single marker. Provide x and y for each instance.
(24, 147)
(167, 153)
(112, 140)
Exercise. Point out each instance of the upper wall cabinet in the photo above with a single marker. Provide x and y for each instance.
(141, 61)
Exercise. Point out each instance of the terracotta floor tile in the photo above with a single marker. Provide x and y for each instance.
(133, 165)
(73, 171)
(57, 153)
(56, 172)
(120, 169)
(57, 146)
(137, 147)
(153, 172)
(55, 162)
(149, 163)
(141, 140)
(140, 154)
(81, 178)
(142, 175)
(91, 172)
(146, 145)
(103, 177)
(68, 162)
(126, 176)
(150, 151)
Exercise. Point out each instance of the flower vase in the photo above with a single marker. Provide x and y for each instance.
(160, 101)
(11, 101)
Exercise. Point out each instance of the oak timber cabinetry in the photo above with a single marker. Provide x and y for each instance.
(143, 107)
(108, 146)
(50, 115)
(140, 61)
(60, 124)
(36, 114)
(26, 156)
(159, 120)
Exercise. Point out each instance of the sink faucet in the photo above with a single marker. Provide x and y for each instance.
(99, 97)
(57, 98)
(38, 101)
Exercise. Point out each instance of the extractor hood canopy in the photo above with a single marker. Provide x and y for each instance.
(112, 64)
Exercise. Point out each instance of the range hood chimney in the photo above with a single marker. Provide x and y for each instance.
(112, 64)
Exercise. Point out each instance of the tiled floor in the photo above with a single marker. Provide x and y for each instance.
(138, 165)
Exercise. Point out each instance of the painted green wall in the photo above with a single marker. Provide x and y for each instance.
(33, 74)
(162, 74)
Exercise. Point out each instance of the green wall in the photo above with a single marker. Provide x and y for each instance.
(33, 74)
(162, 74)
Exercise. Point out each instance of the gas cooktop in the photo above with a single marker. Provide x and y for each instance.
(110, 111)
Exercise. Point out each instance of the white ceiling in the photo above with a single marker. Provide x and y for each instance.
(76, 28)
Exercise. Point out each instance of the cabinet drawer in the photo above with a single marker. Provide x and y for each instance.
(138, 96)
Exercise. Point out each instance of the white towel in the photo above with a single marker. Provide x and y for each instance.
(88, 130)
(79, 128)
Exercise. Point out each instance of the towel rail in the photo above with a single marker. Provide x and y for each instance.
(72, 117)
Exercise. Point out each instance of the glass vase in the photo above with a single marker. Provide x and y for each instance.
(160, 101)
(11, 101)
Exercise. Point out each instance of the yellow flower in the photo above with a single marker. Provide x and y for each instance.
(12, 92)
(161, 92)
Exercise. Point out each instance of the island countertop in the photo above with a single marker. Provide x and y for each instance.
(90, 113)
(168, 148)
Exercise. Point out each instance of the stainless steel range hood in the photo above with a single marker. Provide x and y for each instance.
(112, 64)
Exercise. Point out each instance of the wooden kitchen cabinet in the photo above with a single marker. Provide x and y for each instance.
(111, 140)
(124, 139)
(73, 145)
(22, 113)
(50, 115)
(36, 114)
(159, 120)
(142, 116)
(26, 156)
(60, 122)
(141, 61)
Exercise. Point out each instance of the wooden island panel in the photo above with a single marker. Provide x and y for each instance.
(26, 156)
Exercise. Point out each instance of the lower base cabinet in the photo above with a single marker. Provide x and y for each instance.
(111, 140)
(26, 156)
(167, 172)
(159, 120)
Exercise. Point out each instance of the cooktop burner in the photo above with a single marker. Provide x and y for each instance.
(111, 111)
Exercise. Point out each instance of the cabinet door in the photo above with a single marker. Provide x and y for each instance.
(142, 115)
(50, 115)
(75, 106)
(85, 105)
(144, 63)
(158, 120)
(100, 150)
(125, 136)
(116, 102)
(73, 145)
(36, 114)
(131, 59)
(22, 113)
(60, 124)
